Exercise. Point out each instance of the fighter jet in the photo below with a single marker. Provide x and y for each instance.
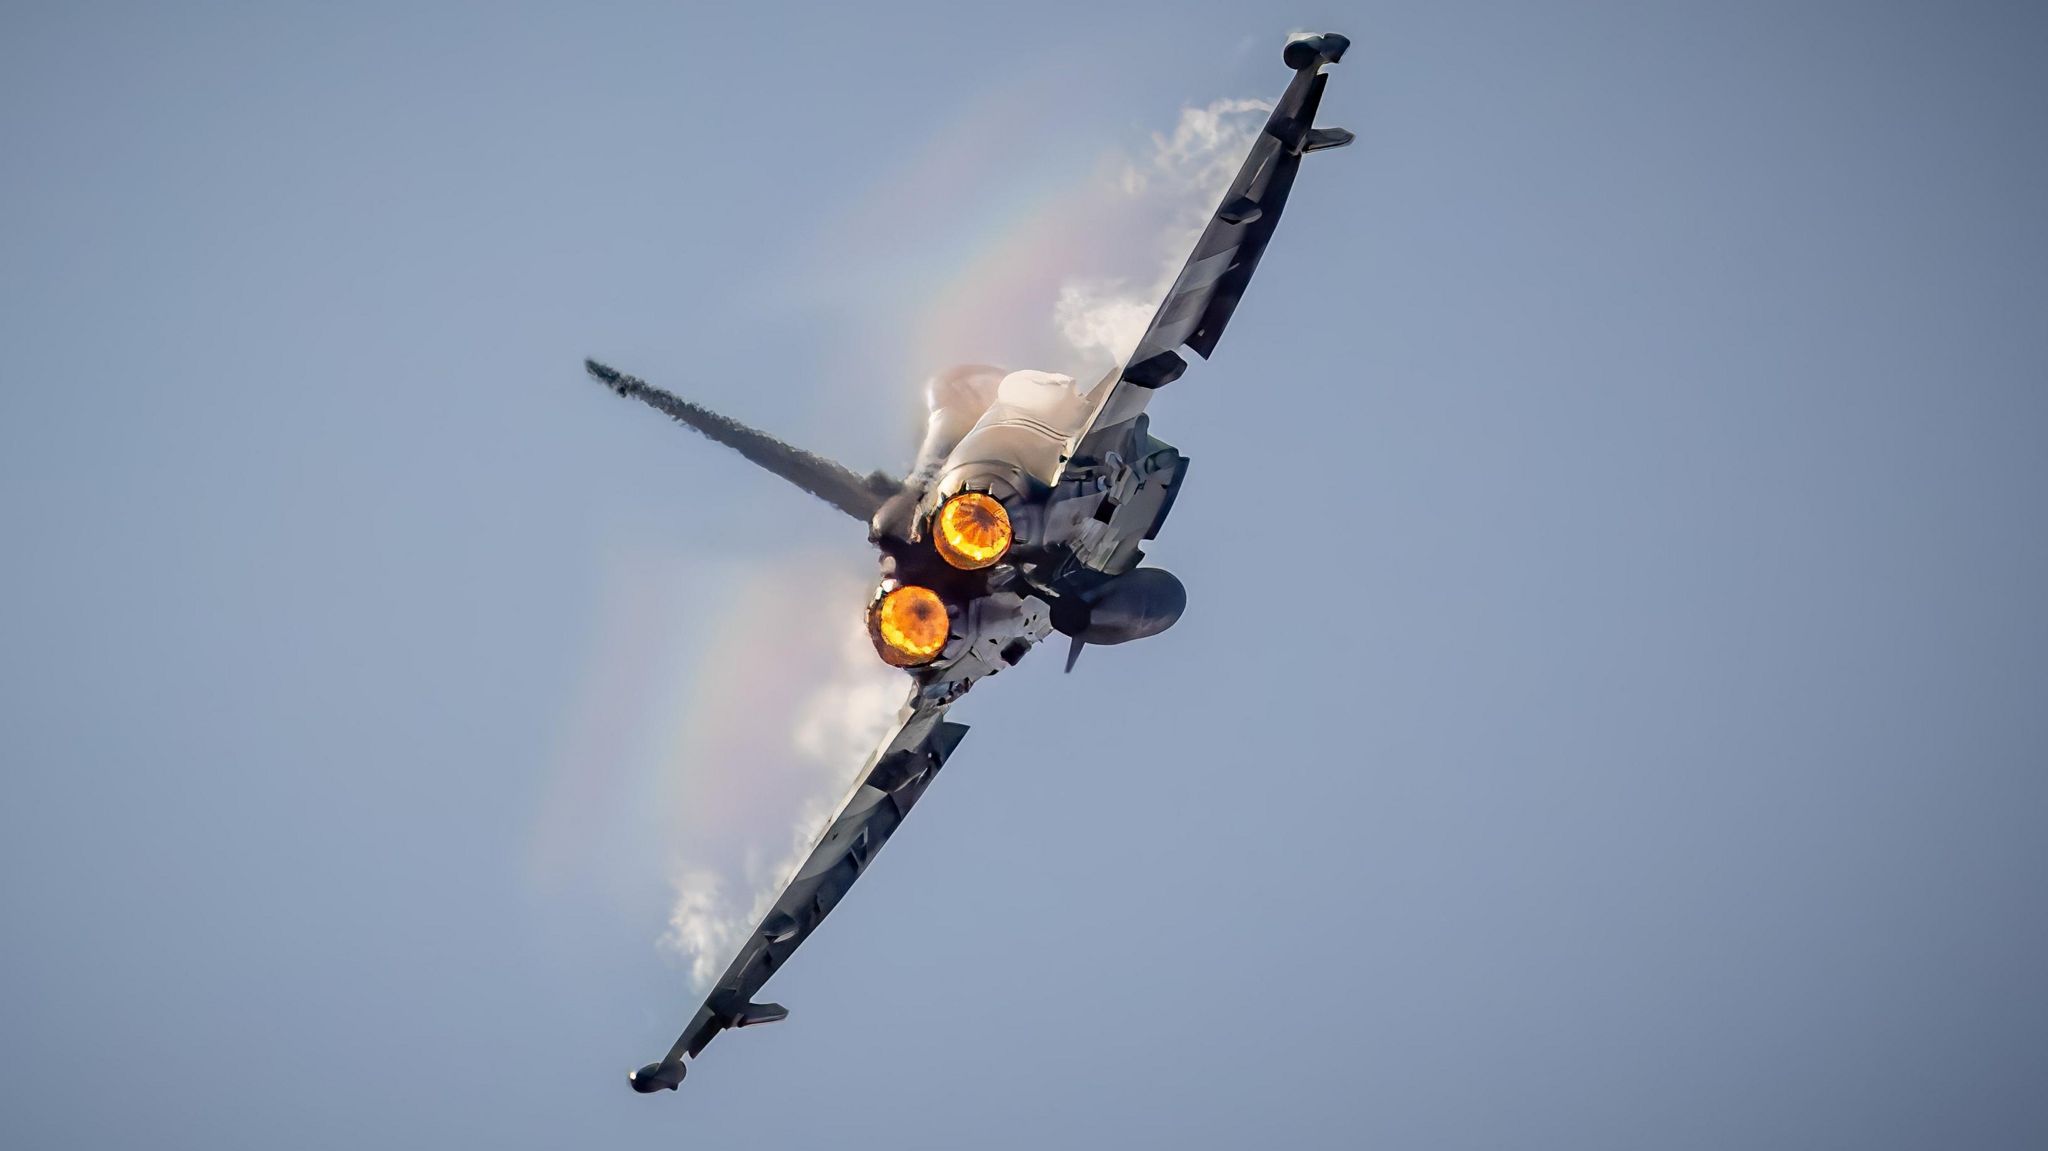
(1025, 514)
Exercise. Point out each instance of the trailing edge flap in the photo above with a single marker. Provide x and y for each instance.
(857, 495)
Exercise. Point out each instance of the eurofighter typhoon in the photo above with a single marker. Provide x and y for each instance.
(1024, 515)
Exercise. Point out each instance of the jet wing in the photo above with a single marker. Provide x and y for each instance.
(896, 774)
(1203, 296)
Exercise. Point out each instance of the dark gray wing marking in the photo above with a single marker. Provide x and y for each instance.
(1209, 286)
(842, 487)
(1206, 293)
(896, 774)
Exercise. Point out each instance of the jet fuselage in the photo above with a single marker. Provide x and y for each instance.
(1067, 545)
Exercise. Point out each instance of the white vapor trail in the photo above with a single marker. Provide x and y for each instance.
(1177, 181)
(832, 727)
(1144, 211)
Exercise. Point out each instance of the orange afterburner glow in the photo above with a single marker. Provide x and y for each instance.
(909, 626)
(971, 531)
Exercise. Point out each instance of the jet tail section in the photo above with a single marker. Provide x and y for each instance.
(857, 495)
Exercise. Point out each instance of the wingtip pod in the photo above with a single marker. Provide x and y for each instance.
(658, 1077)
(1315, 50)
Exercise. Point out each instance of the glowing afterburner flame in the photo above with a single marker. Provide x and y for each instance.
(910, 626)
(973, 531)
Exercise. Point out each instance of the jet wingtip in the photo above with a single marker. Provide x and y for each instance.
(658, 1077)
(1315, 50)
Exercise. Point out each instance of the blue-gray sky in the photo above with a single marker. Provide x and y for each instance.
(1612, 713)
